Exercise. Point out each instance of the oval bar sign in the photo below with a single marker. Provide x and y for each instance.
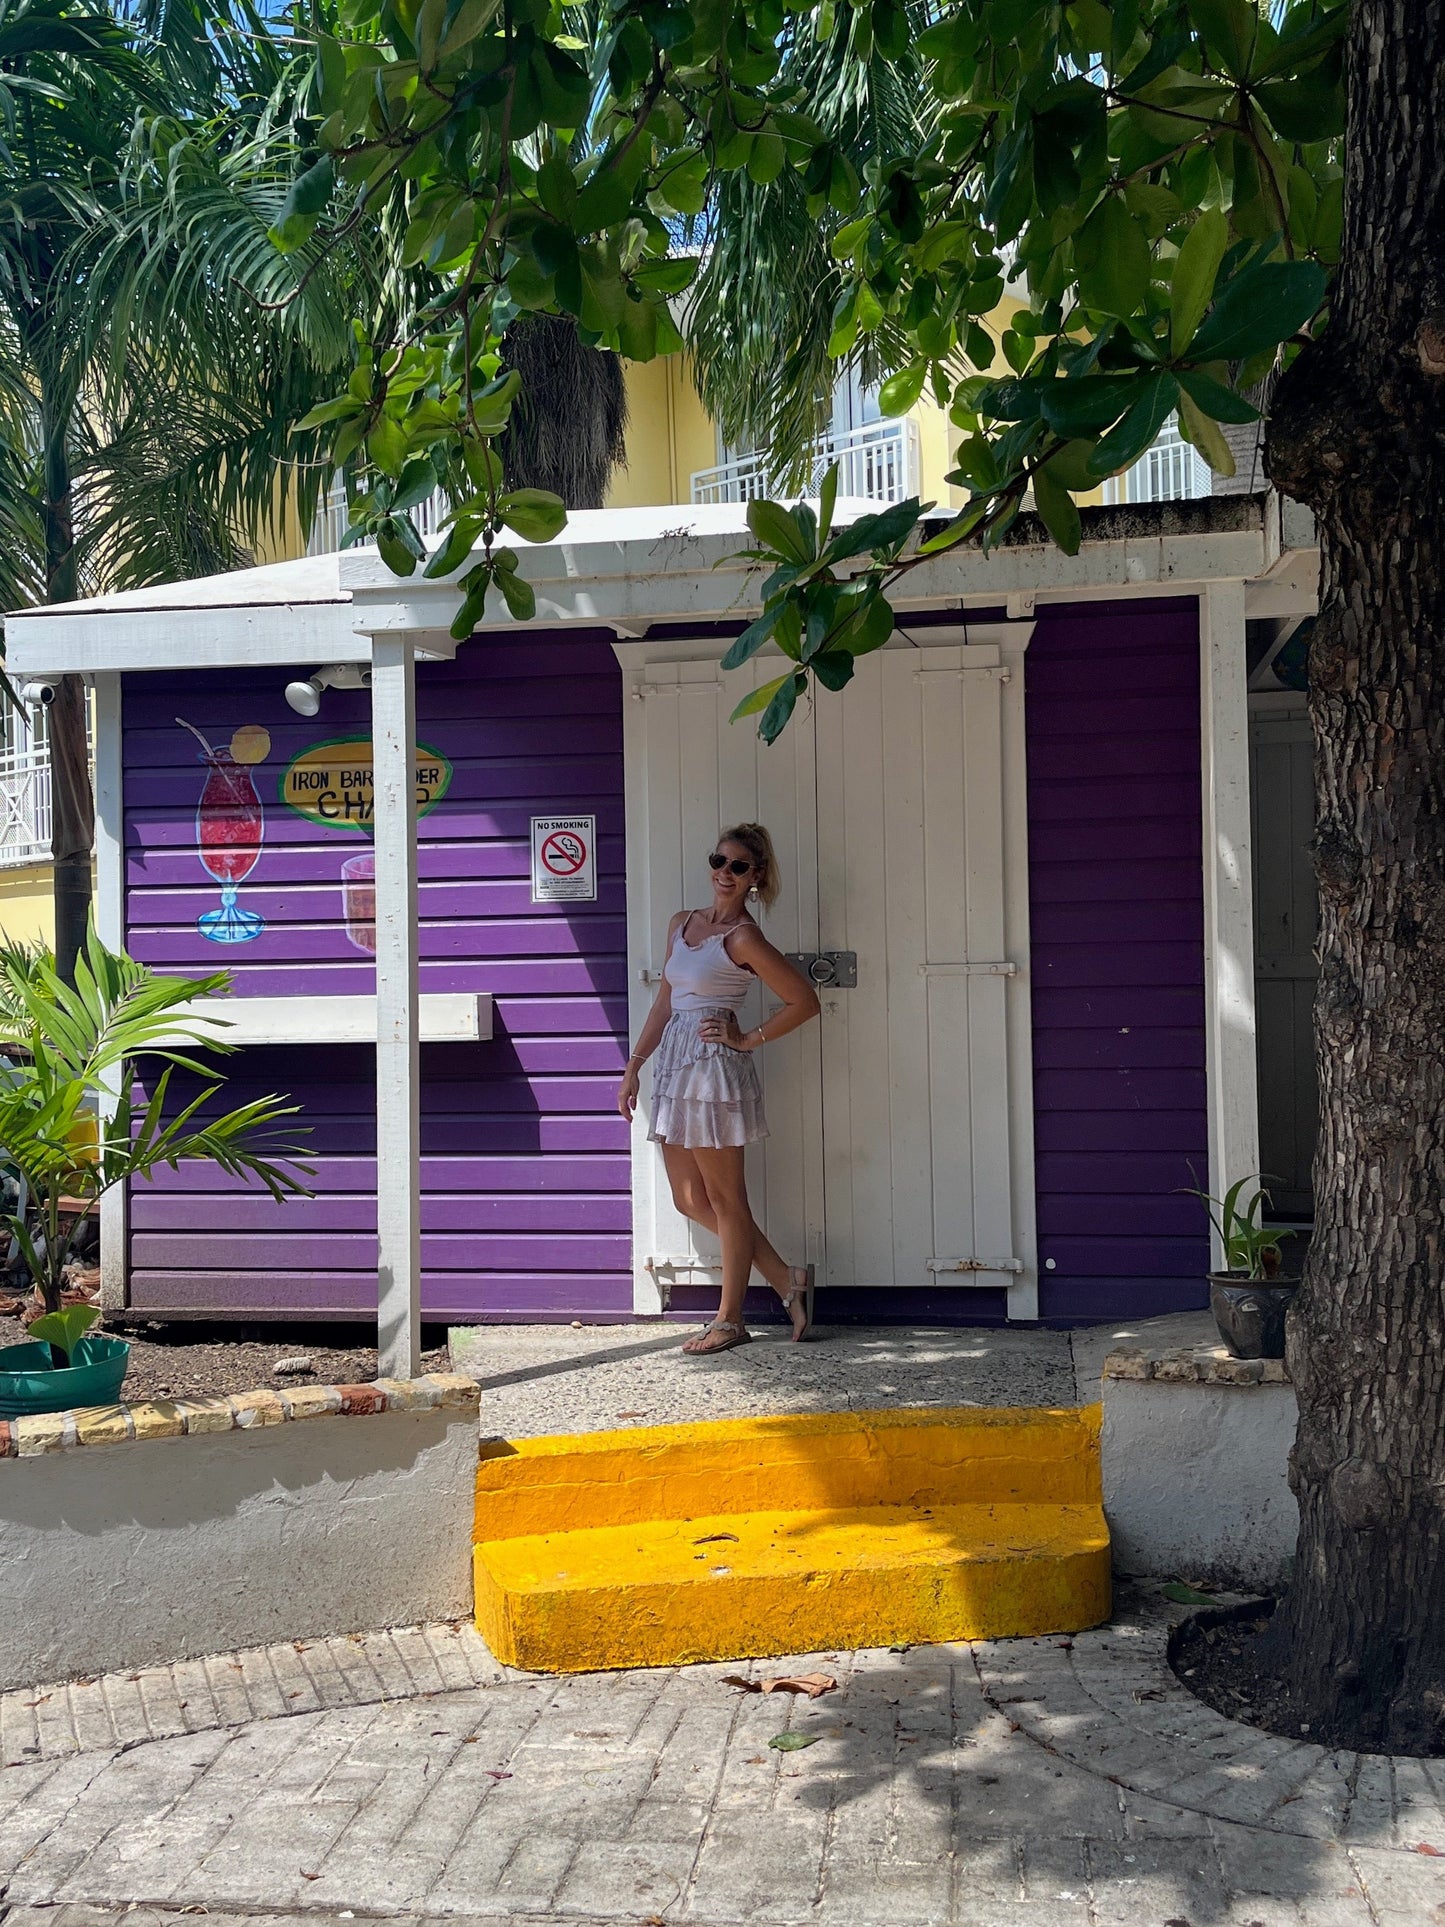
(331, 783)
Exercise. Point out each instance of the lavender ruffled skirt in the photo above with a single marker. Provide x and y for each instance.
(704, 1096)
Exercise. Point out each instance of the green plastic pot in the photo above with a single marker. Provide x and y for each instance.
(29, 1383)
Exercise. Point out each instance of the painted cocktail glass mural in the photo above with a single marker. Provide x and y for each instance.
(230, 825)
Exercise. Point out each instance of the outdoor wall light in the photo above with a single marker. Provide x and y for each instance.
(305, 697)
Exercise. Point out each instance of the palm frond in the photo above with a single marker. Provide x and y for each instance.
(760, 312)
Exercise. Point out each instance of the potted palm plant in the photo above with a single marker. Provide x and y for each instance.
(1249, 1298)
(70, 1129)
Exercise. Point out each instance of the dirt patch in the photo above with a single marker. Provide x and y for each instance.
(182, 1361)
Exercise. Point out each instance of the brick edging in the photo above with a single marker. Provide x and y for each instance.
(1190, 1366)
(168, 1418)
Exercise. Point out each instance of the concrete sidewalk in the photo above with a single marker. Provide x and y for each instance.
(540, 1379)
(1030, 1783)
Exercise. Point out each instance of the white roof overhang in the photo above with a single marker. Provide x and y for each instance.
(627, 569)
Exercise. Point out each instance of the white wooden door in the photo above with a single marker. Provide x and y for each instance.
(696, 774)
(918, 1162)
(901, 1146)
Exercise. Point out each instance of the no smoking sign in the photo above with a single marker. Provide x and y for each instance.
(564, 859)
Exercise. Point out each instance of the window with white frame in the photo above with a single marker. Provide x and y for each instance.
(1170, 470)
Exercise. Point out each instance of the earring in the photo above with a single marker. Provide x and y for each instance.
(753, 894)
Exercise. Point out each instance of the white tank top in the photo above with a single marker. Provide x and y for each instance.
(703, 976)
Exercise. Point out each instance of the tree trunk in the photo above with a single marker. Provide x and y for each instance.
(72, 798)
(1356, 432)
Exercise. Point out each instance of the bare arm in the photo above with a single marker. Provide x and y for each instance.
(799, 999)
(650, 1034)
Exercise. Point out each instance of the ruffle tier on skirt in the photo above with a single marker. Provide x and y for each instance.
(704, 1096)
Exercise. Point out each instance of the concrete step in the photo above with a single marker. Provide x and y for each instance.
(915, 1456)
(740, 1585)
(748, 1537)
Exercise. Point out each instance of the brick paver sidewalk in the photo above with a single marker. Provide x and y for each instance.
(1037, 1783)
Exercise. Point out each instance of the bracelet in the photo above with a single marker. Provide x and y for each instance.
(761, 1034)
(636, 1058)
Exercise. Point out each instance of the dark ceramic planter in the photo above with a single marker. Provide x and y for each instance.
(1249, 1313)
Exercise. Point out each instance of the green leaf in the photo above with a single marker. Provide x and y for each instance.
(779, 531)
(1111, 253)
(460, 540)
(1087, 404)
(64, 1328)
(1205, 435)
(899, 393)
(757, 699)
(775, 717)
(827, 500)
(517, 593)
(752, 638)
(1192, 287)
(884, 531)
(1183, 1595)
(793, 1742)
(1259, 308)
(386, 444)
(331, 411)
(834, 668)
(535, 513)
(305, 202)
(1230, 30)
(1306, 110)
(1123, 445)
(1217, 401)
(1060, 515)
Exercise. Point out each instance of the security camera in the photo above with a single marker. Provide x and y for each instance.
(305, 697)
(38, 695)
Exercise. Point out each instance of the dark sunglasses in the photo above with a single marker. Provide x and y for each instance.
(717, 861)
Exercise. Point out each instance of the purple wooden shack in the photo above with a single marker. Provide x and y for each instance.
(1027, 827)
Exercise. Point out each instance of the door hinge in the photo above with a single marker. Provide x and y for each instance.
(975, 1264)
(968, 970)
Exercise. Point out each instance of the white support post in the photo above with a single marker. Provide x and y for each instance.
(1229, 1055)
(109, 915)
(398, 1055)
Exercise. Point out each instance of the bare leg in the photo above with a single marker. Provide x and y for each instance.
(689, 1194)
(727, 1192)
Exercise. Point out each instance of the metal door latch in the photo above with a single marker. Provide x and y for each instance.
(828, 969)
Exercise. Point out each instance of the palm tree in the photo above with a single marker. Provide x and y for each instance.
(568, 430)
(146, 394)
(761, 310)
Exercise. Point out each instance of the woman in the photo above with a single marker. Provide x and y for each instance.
(706, 1100)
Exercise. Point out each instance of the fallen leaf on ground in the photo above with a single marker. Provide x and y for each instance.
(813, 1684)
(1435, 1853)
(309, 1876)
(1186, 1595)
(716, 1538)
(632, 1415)
(495, 1773)
(792, 1742)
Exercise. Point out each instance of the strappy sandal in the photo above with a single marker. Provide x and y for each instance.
(741, 1336)
(805, 1292)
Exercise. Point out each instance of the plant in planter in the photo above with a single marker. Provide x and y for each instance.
(1248, 1305)
(70, 1130)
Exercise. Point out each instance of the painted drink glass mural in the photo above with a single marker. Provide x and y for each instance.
(331, 785)
(230, 824)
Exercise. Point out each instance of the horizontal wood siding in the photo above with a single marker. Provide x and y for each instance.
(1117, 914)
(525, 1170)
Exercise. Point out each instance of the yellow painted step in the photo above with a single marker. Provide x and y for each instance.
(734, 1585)
(965, 1455)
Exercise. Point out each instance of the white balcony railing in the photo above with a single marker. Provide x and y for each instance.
(332, 520)
(878, 462)
(24, 806)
